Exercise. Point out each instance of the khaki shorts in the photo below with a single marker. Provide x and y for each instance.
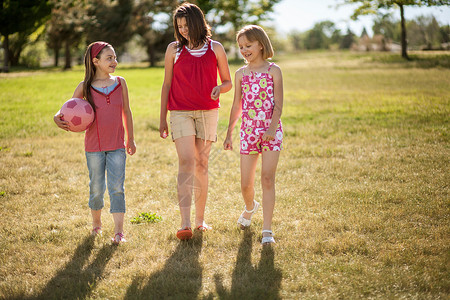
(201, 123)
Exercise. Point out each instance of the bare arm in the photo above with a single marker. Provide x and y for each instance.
(127, 119)
(236, 110)
(168, 74)
(224, 71)
(277, 76)
(57, 118)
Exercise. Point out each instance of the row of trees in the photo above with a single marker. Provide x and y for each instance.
(323, 35)
(366, 7)
(423, 33)
(65, 24)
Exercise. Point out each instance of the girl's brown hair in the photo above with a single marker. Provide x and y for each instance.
(256, 33)
(199, 30)
(89, 73)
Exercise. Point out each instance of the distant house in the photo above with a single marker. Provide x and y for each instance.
(377, 43)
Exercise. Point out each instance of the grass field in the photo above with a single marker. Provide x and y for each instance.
(363, 208)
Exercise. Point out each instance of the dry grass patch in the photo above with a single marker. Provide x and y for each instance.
(362, 194)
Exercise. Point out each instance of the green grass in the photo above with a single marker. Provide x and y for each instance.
(362, 209)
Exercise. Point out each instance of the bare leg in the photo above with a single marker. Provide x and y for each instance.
(248, 168)
(186, 163)
(96, 218)
(118, 222)
(269, 167)
(202, 151)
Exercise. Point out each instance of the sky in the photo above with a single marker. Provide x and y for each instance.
(301, 15)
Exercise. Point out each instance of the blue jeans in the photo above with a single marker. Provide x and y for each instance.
(113, 162)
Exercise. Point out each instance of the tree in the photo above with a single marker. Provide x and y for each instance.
(296, 39)
(66, 27)
(238, 13)
(349, 39)
(373, 6)
(152, 20)
(110, 22)
(424, 32)
(20, 16)
(444, 32)
(386, 26)
(319, 36)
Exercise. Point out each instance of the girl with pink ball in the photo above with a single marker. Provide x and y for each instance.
(105, 143)
(258, 98)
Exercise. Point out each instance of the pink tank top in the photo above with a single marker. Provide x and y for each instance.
(106, 132)
(193, 80)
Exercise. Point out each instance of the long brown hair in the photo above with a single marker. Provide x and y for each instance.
(199, 30)
(89, 74)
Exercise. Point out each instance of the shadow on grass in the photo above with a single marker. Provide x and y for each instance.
(75, 281)
(252, 282)
(180, 278)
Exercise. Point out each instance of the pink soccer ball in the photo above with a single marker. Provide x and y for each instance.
(78, 113)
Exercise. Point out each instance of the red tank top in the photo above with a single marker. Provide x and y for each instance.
(193, 80)
(106, 132)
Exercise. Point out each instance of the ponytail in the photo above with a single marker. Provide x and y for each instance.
(88, 76)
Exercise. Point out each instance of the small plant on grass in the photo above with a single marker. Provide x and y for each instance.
(146, 218)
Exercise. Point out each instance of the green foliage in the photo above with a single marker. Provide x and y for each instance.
(22, 15)
(110, 21)
(373, 6)
(241, 12)
(146, 217)
(386, 25)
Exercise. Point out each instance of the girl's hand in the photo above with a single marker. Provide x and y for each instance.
(131, 147)
(59, 121)
(215, 93)
(163, 129)
(228, 144)
(269, 135)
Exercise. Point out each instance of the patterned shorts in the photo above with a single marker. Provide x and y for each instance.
(252, 143)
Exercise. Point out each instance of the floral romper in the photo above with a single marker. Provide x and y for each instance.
(257, 109)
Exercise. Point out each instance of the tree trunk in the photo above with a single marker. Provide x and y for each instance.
(14, 57)
(6, 54)
(68, 64)
(56, 56)
(404, 43)
(151, 55)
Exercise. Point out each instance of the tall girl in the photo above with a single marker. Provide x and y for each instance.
(105, 144)
(259, 97)
(191, 94)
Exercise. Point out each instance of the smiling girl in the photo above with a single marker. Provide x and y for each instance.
(191, 93)
(105, 144)
(259, 97)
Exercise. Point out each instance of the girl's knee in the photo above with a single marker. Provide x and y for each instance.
(267, 181)
(247, 187)
(96, 202)
(201, 166)
(186, 162)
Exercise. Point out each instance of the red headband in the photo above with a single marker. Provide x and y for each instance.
(97, 47)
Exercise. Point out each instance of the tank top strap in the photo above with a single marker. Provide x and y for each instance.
(270, 66)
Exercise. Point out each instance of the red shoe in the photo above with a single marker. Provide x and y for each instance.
(184, 234)
(96, 231)
(118, 238)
